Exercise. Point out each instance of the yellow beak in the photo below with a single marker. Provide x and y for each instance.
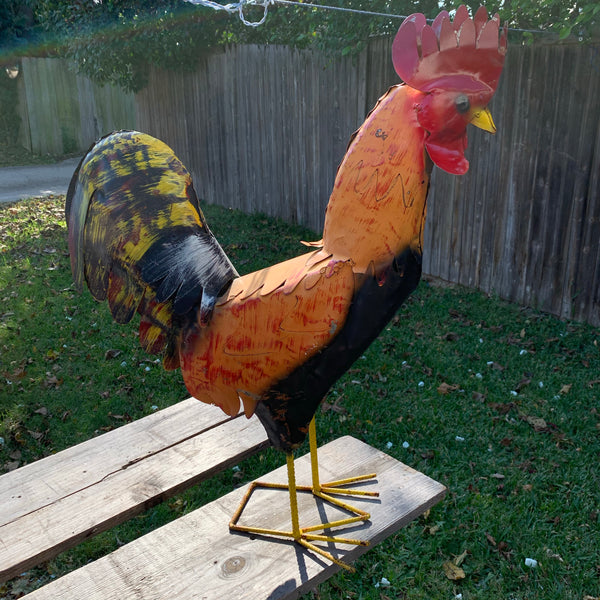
(482, 118)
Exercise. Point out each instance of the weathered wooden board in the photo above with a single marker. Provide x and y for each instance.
(55, 503)
(196, 556)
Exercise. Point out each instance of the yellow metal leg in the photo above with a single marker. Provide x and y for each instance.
(305, 535)
(325, 490)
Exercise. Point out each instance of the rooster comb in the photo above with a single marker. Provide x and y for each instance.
(466, 54)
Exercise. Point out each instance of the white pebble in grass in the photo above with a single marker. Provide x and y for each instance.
(531, 562)
(389, 445)
(459, 438)
(405, 445)
(421, 384)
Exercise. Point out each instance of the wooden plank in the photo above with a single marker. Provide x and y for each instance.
(55, 503)
(196, 556)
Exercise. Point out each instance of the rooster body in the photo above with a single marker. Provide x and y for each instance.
(281, 336)
(277, 339)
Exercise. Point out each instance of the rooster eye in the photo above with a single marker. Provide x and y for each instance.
(462, 104)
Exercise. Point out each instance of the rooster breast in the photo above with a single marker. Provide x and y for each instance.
(269, 323)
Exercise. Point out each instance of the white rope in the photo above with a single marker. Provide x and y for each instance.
(357, 11)
(237, 7)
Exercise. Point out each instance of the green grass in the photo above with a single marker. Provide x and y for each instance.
(13, 155)
(500, 404)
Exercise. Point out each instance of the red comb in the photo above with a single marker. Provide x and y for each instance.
(465, 55)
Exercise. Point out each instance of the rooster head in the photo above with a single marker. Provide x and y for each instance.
(456, 65)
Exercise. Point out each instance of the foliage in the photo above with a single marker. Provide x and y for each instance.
(17, 23)
(116, 41)
(498, 403)
(581, 19)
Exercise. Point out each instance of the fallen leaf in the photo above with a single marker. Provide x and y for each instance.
(497, 476)
(446, 388)
(501, 407)
(523, 383)
(334, 406)
(460, 559)
(52, 381)
(537, 423)
(109, 354)
(554, 555)
(490, 539)
(504, 549)
(52, 355)
(453, 572)
(41, 411)
(565, 389)
(18, 373)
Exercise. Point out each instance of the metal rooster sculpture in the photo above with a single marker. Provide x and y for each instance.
(277, 339)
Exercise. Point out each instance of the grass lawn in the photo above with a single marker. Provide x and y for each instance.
(499, 403)
(13, 155)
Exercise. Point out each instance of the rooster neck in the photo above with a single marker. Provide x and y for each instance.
(377, 207)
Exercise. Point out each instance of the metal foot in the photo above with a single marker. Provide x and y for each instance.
(305, 535)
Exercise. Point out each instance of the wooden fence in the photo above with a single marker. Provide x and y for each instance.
(525, 222)
(64, 113)
(264, 128)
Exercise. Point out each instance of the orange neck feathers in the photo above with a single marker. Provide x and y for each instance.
(377, 207)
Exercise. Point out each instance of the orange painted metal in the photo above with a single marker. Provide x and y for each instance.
(275, 319)
(271, 321)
